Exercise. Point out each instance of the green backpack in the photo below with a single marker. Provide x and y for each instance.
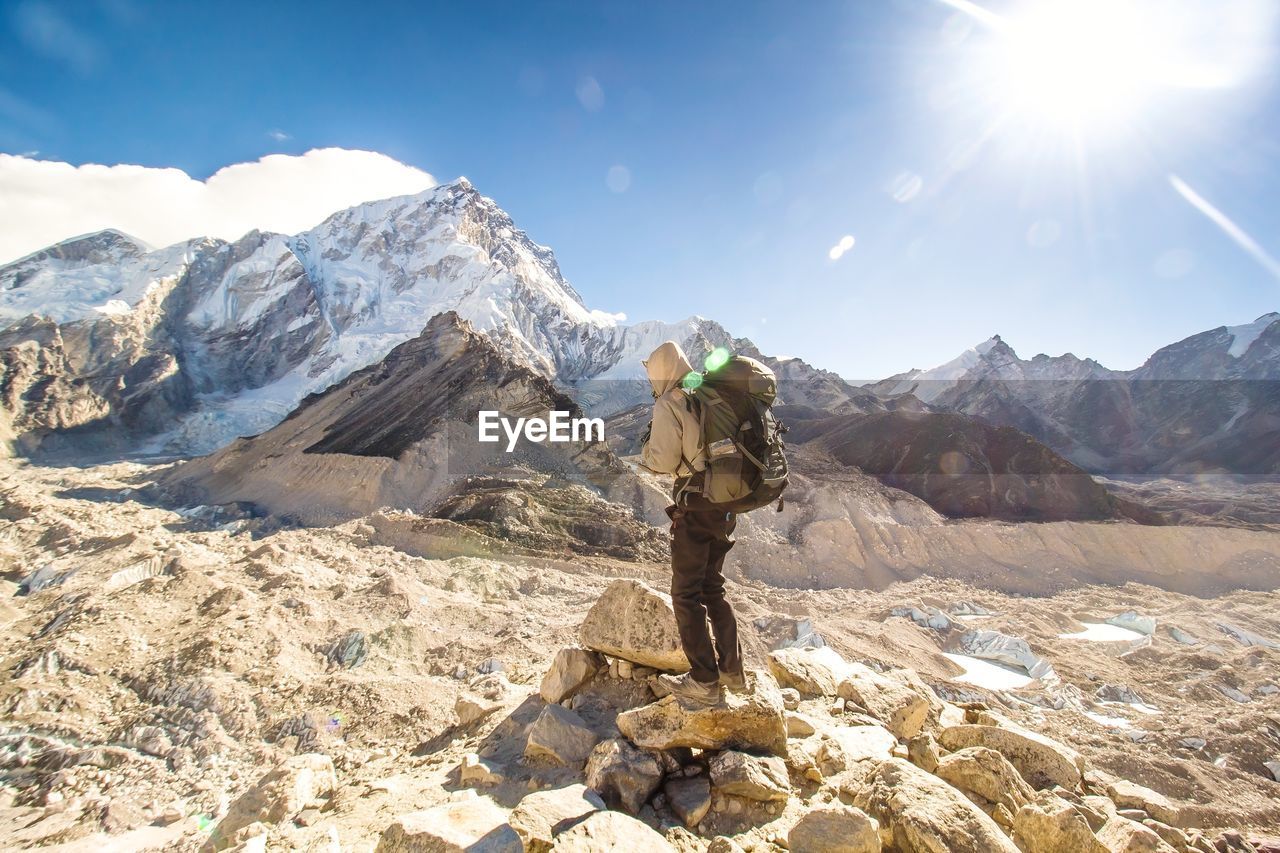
(746, 467)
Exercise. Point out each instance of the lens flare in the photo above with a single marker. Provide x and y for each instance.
(716, 359)
(692, 380)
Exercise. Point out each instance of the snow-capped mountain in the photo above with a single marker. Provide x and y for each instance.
(197, 343)
(1209, 403)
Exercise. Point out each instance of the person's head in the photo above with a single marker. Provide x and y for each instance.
(667, 367)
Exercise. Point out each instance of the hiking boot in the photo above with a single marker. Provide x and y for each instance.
(687, 687)
(735, 681)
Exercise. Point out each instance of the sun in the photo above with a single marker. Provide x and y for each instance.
(1097, 66)
(1078, 63)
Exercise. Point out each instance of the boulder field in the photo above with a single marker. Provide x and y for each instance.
(818, 755)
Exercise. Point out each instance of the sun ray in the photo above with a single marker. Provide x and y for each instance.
(1237, 234)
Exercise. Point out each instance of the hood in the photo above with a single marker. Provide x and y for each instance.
(666, 367)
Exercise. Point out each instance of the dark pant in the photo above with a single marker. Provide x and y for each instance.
(700, 539)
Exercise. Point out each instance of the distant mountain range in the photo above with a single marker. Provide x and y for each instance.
(1204, 405)
(108, 345)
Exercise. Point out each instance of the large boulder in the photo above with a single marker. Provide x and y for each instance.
(279, 795)
(571, 669)
(469, 826)
(750, 721)
(635, 622)
(1049, 824)
(834, 828)
(902, 705)
(987, 773)
(1121, 835)
(813, 672)
(622, 774)
(542, 815)
(1042, 762)
(841, 748)
(560, 736)
(611, 831)
(1128, 795)
(919, 813)
(752, 776)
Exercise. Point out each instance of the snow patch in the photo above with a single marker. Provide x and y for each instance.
(984, 673)
(1097, 632)
(1242, 337)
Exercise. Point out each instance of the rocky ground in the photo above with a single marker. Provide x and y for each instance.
(188, 677)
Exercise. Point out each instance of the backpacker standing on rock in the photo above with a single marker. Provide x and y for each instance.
(716, 433)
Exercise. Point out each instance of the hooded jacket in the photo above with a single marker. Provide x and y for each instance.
(675, 438)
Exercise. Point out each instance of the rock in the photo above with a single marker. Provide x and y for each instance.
(1049, 824)
(1121, 835)
(1274, 768)
(279, 795)
(790, 698)
(307, 817)
(348, 651)
(1127, 795)
(642, 673)
(1134, 621)
(560, 736)
(834, 828)
(1119, 693)
(802, 760)
(480, 771)
(120, 816)
(987, 773)
(1231, 842)
(611, 831)
(484, 695)
(843, 747)
(571, 669)
(741, 721)
(811, 672)
(476, 825)
(1042, 762)
(690, 799)
(919, 812)
(539, 817)
(923, 752)
(1169, 835)
(724, 844)
(631, 620)
(798, 725)
(624, 776)
(754, 777)
(626, 669)
(902, 706)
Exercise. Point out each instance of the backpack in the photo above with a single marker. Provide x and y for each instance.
(746, 467)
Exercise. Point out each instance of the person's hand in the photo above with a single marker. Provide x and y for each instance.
(648, 431)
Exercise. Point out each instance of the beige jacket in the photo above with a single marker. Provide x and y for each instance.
(675, 431)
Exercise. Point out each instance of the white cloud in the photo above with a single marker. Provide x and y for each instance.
(46, 201)
(278, 135)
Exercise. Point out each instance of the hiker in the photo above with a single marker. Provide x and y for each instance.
(702, 529)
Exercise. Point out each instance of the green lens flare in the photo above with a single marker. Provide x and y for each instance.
(692, 380)
(716, 359)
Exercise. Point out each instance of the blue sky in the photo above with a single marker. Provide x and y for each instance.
(754, 136)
